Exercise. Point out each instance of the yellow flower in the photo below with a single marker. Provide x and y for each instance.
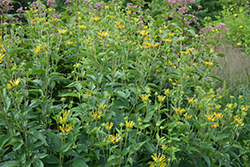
(218, 115)
(211, 50)
(129, 124)
(235, 15)
(144, 97)
(62, 31)
(14, 67)
(3, 50)
(95, 18)
(145, 27)
(187, 116)
(215, 125)
(88, 94)
(82, 26)
(104, 34)
(97, 114)
(245, 108)
(88, 40)
(211, 117)
(191, 100)
(143, 32)
(114, 138)
(240, 27)
(161, 98)
(171, 34)
(166, 91)
(101, 106)
(63, 119)
(181, 38)
(238, 120)
(128, 11)
(208, 63)
(108, 125)
(15, 82)
(136, 20)
(37, 49)
(106, 7)
(238, 43)
(9, 86)
(240, 96)
(164, 147)
(1, 57)
(65, 113)
(178, 110)
(217, 106)
(229, 105)
(158, 157)
(66, 128)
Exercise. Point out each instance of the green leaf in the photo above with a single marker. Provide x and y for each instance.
(3, 140)
(79, 163)
(70, 95)
(122, 94)
(66, 146)
(221, 137)
(51, 159)
(39, 135)
(9, 164)
(38, 163)
(206, 159)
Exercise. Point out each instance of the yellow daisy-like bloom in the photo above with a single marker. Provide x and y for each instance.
(178, 110)
(129, 124)
(191, 100)
(238, 43)
(208, 63)
(66, 128)
(3, 50)
(181, 38)
(152, 45)
(235, 15)
(88, 94)
(211, 117)
(143, 32)
(114, 138)
(164, 147)
(136, 20)
(245, 108)
(82, 26)
(104, 34)
(166, 91)
(14, 67)
(218, 115)
(158, 157)
(229, 105)
(97, 114)
(144, 97)
(187, 116)
(37, 49)
(62, 31)
(1, 57)
(63, 119)
(143, 47)
(128, 11)
(9, 86)
(15, 82)
(95, 18)
(167, 40)
(238, 120)
(161, 98)
(217, 106)
(101, 106)
(108, 125)
(215, 125)
(240, 27)
(171, 34)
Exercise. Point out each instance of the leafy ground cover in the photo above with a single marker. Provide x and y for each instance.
(103, 84)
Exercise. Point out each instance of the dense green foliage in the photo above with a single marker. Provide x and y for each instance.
(114, 85)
